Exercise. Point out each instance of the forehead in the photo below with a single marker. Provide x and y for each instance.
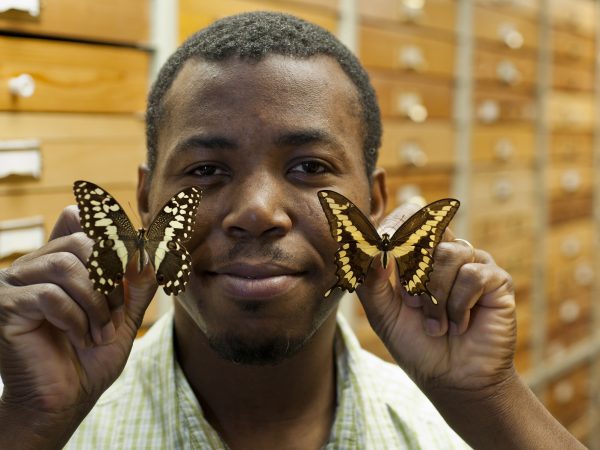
(311, 91)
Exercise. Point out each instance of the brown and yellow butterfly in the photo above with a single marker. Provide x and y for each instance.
(411, 245)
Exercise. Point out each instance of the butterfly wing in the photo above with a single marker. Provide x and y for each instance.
(104, 221)
(416, 239)
(172, 226)
(358, 240)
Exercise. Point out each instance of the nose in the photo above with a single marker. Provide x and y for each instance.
(257, 209)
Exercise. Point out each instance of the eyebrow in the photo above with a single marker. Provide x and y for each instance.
(213, 142)
(308, 136)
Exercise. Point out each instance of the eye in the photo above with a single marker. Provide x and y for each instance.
(207, 170)
(310, 167)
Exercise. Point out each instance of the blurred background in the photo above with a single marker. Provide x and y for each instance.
(494, 102)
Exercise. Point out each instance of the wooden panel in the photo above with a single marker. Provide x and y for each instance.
(106, 20)
(431, 186)
(103, 149)
(435, 14)
(412, 100)
(501, 68)
(571, 111)
(73, 77)
(569, 47)
(403, 50)
(571, 148)
(567, 398)
(195, 15)
(526, 8)
(501, 105)
(422, 145)
(577, 16)
(502, 192)
(50, 203)
(502, 146)
(505, 30)
(565, 76)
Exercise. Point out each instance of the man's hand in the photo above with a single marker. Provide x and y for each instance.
(61, 343)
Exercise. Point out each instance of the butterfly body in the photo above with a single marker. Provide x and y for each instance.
(411, 245)
(117, 241)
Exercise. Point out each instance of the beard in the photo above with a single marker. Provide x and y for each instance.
(260, 351)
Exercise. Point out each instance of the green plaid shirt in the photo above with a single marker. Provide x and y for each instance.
(152, 406)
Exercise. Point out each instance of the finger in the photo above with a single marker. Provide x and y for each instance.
(473, 283)
(43, 302)
(449, 257)
(78, 244)
(66, 270)
(377, 296)
(67, 223)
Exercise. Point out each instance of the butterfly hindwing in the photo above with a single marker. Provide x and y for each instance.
(416, 239)
(104, 221)
(412, 244)
(357, 239)
(172, 226)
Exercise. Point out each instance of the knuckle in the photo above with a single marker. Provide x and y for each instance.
(473, 274)
(62, 263)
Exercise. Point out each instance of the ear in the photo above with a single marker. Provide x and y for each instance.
(379, 196)
(143, 190)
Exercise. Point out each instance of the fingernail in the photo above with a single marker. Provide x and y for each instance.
(433, 327)
(108, 333)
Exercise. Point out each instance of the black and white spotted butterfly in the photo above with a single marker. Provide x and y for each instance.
(117, 241)
(411, 245)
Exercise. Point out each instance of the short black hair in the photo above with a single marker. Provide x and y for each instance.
(252, 36)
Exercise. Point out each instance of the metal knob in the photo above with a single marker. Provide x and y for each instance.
(22, 85)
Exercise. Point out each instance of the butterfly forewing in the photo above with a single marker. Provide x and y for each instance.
(173, 225)
(414, 242)
(358, 241)
(103, 219)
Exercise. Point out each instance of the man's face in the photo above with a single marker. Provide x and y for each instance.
(260, 139)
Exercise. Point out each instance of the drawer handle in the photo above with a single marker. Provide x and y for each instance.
(413, 10)
(510, 35)
(508, 73)
(22, 85)
(504, 150)
(412, 58)
(569, 311)
(32, 7)
(488, 111)
(410, 193)
(20, 157)
(411, 154)
(21, 236)
(563, 392)
(570, 181)
(411, 105)
(570, 247)
(503, 190)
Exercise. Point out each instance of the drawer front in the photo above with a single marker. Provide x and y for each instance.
(71, 77)
(430, 186)
(502, 146)
(569, 181)
(571, 148)
(502, 105)
(381, 49)
(504, 69)
(427, 145)
(578, 16)
(525, 8)
(440, 14)
(106, 20)
(194, 15)
(71, 147)
(567, 398)
(568, 77)
(570, 47)
(505, 30)
(570, 111)
(413, 101)
(498, 192)
(49, 204)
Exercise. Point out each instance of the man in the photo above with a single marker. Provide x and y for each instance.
(261, 111)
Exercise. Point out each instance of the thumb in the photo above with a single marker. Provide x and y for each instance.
(136, 294)
(377, 292)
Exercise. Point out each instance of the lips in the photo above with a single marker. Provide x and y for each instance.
(255, 281)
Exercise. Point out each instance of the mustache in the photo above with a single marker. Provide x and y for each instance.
(246, 250)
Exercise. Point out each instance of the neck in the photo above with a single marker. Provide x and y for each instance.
(288, 405)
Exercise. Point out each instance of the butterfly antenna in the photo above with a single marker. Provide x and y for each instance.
(135, 214)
